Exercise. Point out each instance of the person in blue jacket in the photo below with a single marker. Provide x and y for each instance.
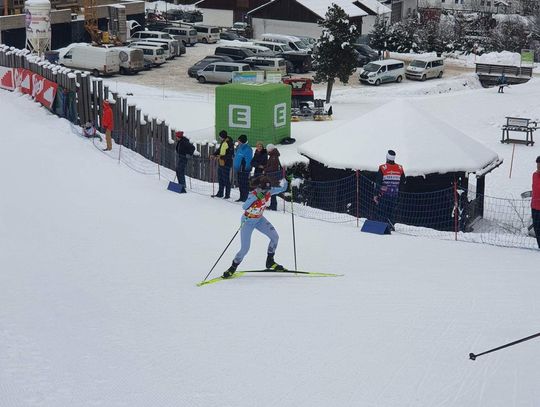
(242, 166)
(256, 202)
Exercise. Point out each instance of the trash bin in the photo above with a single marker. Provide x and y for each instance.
(52, 56)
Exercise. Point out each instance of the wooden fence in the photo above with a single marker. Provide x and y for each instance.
(151, 137)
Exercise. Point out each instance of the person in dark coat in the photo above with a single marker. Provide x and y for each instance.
(183, 149)
(259, 160)
(389, 182)
(242, 166)
(502, 82)
(224, 154)
(273, 171)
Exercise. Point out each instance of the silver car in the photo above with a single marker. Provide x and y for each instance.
(220, 72)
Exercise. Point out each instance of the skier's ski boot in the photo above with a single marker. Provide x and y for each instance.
(229, 273)
(272, 265)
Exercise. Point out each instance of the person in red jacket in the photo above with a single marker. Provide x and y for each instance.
(107, 122)
(535, 201)
(389, 182)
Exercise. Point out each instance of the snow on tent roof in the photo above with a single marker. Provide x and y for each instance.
(423, 144)
(320, 7)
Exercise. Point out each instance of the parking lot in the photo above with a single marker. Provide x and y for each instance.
(173, 74)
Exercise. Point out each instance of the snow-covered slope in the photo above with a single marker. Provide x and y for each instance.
(98, 303)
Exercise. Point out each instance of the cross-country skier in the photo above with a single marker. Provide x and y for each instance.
(257, 201)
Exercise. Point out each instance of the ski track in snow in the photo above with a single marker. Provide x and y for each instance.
(98, 304)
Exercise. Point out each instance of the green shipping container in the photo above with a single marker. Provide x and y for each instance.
(261, 111)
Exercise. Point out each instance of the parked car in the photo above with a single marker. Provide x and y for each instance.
(267, 63)
(236, 53)
(131, 60)
(207, 33)
(388, 70)
(164, 47)
(423, 69)
(309, 41)
(274, 46)
(221, 72)
(230, 36)
(99, 61)
(256, 49)
(153, 54)
(365, 54)
(188, 36)
(203, 63)
(175, 47)
(294, 42)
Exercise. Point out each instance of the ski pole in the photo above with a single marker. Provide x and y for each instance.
(219, 258)
(292, 217)
(472, 356)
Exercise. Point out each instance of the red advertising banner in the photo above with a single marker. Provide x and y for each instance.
(43, 90)
(23, 80)
(7, 80)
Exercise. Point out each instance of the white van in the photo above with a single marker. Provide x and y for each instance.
(99, 61)
(294, 42)
(274, 46)
(165, 47)
(131, 60)
(155, 55)
(187, 35)
(220, 72)
(387, 70)
(172, 45)
(256, 49)
(268, 63)
(425, 68)
(206, 33)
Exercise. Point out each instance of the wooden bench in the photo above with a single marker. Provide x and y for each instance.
(518, 124)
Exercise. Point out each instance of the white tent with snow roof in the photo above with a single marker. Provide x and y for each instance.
(423, 143)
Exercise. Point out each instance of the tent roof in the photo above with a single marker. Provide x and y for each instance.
(423, 144)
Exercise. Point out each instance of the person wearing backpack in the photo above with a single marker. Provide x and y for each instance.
(183, 149)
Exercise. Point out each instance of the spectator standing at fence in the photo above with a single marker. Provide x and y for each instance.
(260, 158)
(502, 82)
(253, 219)
(535, 201)
(224, 154)
(389, 182)
(273, 171)
(89, 131)
(183, 149)
(242, 166)
(107, 122)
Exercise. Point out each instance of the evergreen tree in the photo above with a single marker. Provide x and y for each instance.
(335, 56)
(379, 34)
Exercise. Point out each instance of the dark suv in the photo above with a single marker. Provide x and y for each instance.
(365, 54)
(236, 53)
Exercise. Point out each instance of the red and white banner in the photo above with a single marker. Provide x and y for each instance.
(7, 80)
(23, 80)
(43, 90)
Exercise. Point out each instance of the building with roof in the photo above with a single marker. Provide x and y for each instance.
(436, 158)
(300, 17)
(223, 13)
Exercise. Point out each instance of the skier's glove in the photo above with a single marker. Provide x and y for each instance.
(196, 153)
(283, 183)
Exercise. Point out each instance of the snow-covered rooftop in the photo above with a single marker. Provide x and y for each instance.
(375, 6)
(423, 143)
(320, 7)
